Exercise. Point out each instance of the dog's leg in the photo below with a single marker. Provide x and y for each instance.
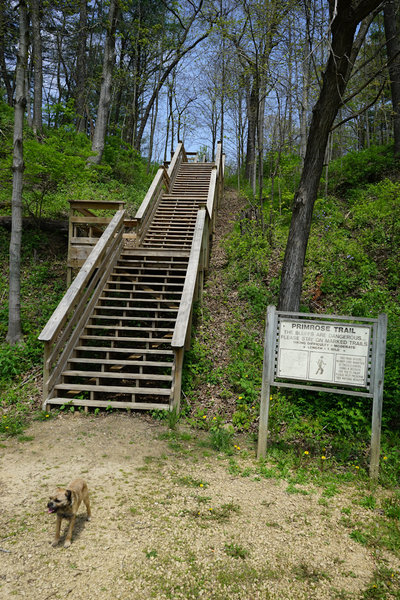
(69, 532)
(57, 536)
(87, 504)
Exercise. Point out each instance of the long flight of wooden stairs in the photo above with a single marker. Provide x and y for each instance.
(120, 349)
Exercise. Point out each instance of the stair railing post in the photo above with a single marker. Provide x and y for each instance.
(46, 373)
(176, 400)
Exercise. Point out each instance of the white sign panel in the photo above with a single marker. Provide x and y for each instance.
(332, 353)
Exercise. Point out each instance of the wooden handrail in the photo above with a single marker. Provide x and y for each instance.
(67, 321)
(178, 157)
(212, 190)
(185, 307)
(71, 296)
(149, 197)
(218, 157)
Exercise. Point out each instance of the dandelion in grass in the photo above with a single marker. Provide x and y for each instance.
(306, 452)
(323, 457)
(385, 458)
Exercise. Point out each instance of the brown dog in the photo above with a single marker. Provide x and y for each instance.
(65, 504)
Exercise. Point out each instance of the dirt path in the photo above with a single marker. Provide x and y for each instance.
(171, 519)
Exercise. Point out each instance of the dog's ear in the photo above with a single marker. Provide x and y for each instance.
(68, 493)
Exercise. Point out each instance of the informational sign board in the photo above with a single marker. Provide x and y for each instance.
(331, 353)
(338, 354)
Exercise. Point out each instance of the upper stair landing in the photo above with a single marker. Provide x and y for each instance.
(118, 337)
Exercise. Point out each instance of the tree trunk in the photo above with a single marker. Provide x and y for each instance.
(106, 86)
(304, 102)
(391, 14)
(252, 103)
(335, 79)
(14, 333)
(37, 68)
(80, 102)
(3, 65)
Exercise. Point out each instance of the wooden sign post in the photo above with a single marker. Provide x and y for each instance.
(336, 354)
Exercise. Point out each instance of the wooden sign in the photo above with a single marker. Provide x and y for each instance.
(336, 354)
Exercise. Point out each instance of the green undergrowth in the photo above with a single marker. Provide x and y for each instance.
(351, 269)
(56, 169)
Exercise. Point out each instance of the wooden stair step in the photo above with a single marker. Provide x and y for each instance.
(124, 363)
(150, 299)
(152, 254)
(132, 318)
(126, 339)
(105, 403)
(143, 282)
(110, 375)
(125, 328)
(133, 309)
(131, 351)
(78, 387)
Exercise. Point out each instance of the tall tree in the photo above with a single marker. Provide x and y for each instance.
(37, 67)
(106, 85)
(14, 333)
(345, 17)
(81, 69)
(4, 26)
(391, 14)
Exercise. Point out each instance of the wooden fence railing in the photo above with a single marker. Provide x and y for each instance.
(85, 229)
(197, 267)
(68, 320)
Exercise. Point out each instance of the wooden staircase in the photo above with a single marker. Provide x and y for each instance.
(127, 350)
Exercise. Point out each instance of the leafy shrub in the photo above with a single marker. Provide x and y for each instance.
(359, 168)
(221, 438)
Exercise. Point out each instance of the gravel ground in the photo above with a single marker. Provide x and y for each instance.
(170, 520)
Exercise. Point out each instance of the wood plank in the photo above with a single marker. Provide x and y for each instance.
(97, 204)
(182, 321)
(110, 375)
(123, 350)
(82, 241)
(121, 362)
(126, 328)
(91, 220)
(126, 339)
(113, 403)
(155, 253)
(77, 387)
